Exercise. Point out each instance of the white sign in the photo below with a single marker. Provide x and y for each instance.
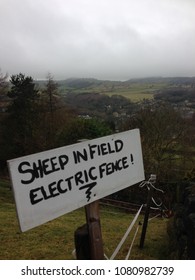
(49, 184)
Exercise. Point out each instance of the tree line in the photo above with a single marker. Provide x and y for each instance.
(38, 119)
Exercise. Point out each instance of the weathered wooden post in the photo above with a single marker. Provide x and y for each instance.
(94, 229)
(88, 238)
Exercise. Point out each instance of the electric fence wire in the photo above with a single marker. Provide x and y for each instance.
(129, 252)
(126, 234)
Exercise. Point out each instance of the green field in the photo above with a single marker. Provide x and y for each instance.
(55, 240)
(134, 89)
(133, 95)
(135, 92)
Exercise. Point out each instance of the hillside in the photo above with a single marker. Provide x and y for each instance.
(134, 89)
(90, 82)
(55, 239)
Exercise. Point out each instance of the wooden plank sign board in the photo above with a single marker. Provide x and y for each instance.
(49, 184)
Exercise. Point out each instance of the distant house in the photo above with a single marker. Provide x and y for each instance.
(85, 117)
(115, 114)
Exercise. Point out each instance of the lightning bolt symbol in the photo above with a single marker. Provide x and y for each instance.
(89, 187)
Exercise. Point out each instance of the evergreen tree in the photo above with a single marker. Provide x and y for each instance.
(22, 120)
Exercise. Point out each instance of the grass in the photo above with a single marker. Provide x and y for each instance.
(134, 96)
(55, 239)
(135, 92)
(156, 242)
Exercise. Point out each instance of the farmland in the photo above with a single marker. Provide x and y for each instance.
(135, 90)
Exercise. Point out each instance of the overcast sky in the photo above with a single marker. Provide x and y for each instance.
(105, 39)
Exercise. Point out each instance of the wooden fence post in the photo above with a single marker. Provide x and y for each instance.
(94, 229)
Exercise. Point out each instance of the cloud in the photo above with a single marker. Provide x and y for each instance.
(116, 39)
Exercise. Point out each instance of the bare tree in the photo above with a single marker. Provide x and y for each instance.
(51, 95)
(162, 132)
